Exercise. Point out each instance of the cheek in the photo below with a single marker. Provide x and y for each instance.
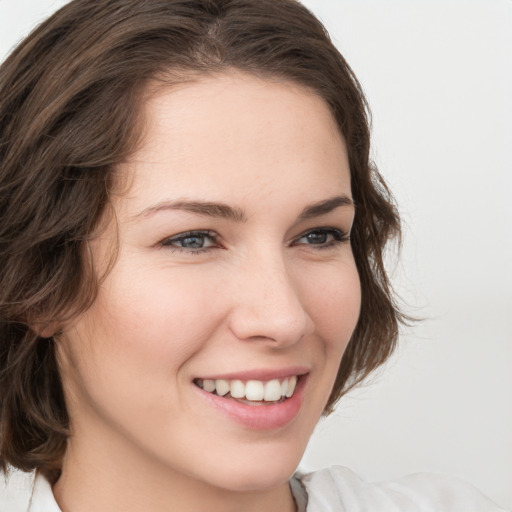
(141, 330)
(334, 305)
(156, 317)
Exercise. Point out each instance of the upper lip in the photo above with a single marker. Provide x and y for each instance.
(263, 374)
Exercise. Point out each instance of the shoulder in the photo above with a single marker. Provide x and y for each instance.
(15, 490)
(339, 489)
(25, 492)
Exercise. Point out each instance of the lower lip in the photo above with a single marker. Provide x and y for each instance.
(259, 417)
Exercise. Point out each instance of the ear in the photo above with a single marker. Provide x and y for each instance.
(45, 329)
(48, 331)
(42, 322)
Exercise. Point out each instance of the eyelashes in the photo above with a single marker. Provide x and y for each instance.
(192, 242)
(201, 241)
(324, 237)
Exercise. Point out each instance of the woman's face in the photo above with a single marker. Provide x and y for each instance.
(234, 265)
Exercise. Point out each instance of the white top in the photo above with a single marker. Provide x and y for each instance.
(333, 489)
(339, 489)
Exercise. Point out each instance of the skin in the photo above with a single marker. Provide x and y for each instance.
(261, 295)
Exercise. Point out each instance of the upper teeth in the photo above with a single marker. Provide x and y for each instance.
(255, 390)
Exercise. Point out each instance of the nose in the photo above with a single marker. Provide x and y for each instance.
(266, 303)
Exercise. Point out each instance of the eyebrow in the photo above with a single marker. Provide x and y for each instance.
(224, 211)
(325, 206)
(208, 209)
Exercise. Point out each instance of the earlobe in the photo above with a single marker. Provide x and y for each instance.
(45, 329)
(43, 323)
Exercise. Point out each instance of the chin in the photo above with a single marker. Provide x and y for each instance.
(260, 479)
(258, 473)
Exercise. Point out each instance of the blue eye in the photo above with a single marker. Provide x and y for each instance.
(196, 242)
(192, 241)
(323, 237)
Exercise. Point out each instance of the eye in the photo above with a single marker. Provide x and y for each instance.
(191, 241)
(323, 238)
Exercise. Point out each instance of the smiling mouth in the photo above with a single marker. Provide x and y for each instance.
(252, 392)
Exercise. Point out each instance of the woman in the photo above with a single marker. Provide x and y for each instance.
(192, 240)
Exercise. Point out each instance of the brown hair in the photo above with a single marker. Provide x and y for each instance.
(70, 98)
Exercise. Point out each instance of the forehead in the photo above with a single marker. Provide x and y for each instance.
(236, 132)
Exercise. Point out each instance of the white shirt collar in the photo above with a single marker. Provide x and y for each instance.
(42, 499)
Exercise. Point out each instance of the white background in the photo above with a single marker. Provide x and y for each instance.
(438, 76)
